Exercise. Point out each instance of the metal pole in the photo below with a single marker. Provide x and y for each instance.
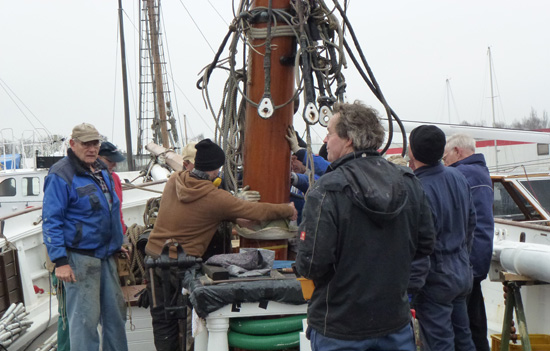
(449, 99)
(492, 101)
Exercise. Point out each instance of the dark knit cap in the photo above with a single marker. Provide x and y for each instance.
(209, 156)
(301, 155)
(427, 144)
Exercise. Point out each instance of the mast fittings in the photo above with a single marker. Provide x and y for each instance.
(311, 114)
(265, 108)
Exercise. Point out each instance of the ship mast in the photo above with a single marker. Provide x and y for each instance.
(127, 125)
(155, 113)
(266, 152)
(153, 15)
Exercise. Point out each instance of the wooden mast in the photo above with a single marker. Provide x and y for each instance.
(157, 68)
(266, 151)
(127, 125)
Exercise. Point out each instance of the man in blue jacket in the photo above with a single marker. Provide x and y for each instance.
(301, 171)
(82, 232)
(460, 153)
(363, 223)
(441, 302)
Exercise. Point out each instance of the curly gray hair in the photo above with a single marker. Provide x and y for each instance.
(361, 124)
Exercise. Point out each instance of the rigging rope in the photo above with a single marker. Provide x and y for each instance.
(319, 62)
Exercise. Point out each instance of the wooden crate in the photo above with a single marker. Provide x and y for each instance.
(10, 280)
(539, 342)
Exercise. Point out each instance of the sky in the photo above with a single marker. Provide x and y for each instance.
(60, 61)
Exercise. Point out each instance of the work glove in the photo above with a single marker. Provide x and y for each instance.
(248, 195)
(292, 139)
(293, 178)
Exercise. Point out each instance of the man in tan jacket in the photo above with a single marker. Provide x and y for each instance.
(191, 209)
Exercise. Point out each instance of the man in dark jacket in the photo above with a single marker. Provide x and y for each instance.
(460, 153)
(82, 232)
(441, 302)
(364, 221)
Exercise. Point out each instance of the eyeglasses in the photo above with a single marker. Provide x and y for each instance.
(89, 144)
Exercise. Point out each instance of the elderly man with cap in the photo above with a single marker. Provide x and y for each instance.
(441, 301)
(82, 232)
(191, 209)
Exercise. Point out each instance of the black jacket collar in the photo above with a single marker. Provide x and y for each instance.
(351, 156)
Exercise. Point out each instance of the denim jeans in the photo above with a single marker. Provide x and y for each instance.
(95, 298)
(401, 340)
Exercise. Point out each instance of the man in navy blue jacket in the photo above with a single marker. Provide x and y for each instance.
(441, 302)
(460, 153)
(82, 232)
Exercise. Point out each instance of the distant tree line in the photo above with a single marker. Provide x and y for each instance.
(531, 122)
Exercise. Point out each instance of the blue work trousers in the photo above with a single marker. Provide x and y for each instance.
(95, 298)
(445, 325)
(401, 340)
(478, 317)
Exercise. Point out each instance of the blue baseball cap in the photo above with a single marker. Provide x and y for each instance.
(110, 152)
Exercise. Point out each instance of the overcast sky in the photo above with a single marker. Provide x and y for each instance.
(60, 60)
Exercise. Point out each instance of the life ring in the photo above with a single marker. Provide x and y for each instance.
(267, 326)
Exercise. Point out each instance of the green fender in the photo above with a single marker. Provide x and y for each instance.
(267, 326)
(264, 342)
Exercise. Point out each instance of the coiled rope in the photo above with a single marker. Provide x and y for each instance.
(137, 270)
(322, 53)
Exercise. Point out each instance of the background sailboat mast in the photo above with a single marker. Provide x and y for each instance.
(448, 83)
(492, 101)
(185, 129)
(127, 125)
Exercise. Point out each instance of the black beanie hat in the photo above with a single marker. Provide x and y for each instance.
(427, 144)
(301, 155)
(209, 156)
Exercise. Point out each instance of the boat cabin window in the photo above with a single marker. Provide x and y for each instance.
(503, 205)
(510, 204)
(31, 186)
(539, 189)
(543, 149)
(7, 187)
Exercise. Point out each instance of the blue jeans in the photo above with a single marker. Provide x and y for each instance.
(401, 340)
(95, 297)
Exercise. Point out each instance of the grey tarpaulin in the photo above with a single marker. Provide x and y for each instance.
(207, 299)
(249, 262)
